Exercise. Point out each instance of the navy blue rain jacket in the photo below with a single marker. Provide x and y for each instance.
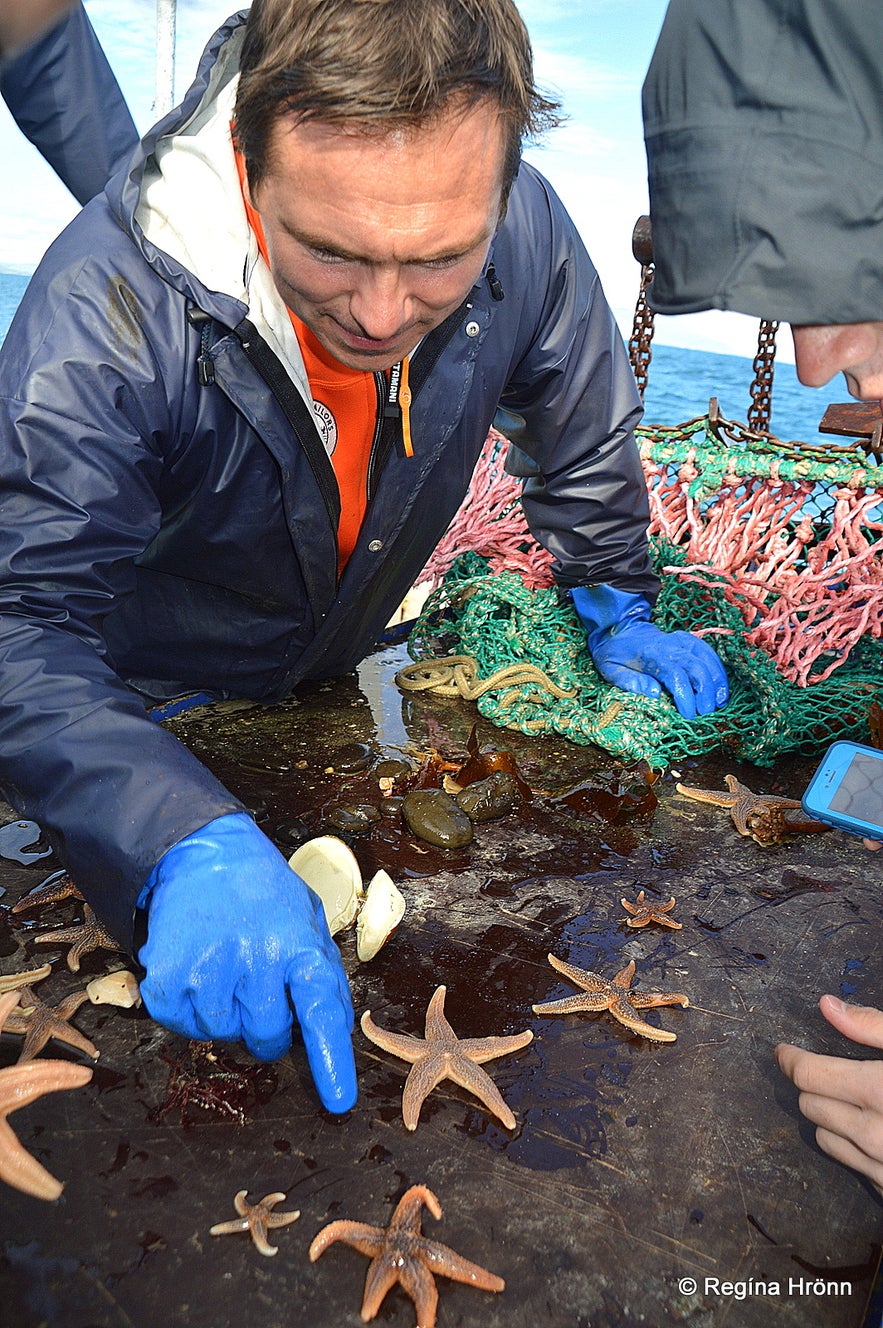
(64, 97)
(168, 513)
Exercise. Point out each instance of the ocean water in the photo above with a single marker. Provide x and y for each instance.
(12, 288)
(680, 383)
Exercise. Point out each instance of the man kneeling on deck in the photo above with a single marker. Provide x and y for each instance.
(242, 400)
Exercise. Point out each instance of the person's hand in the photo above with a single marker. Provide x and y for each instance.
(235, 940)
(872, 844)
(842, 1097)
(629, 652)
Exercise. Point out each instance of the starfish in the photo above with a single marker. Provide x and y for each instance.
(256, 1218)
(442, 1055)
(642, 912)
(615, 996)
(762, 816)
(39, 1022)
(401, 1253)
(90, 934)
(51, 892)
(20, 1085)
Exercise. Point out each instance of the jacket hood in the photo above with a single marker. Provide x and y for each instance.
(182, 204)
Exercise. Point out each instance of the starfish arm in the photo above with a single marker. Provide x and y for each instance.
(445, 1262)
(381, 1277)
(437, 1027)
(488, 1049)
(258, 1229)
(422, 1078)
(61, 888)
(227, 1228)
(409, 1209)
(40, 1031)
(649, 1000)
(19, 1086)
(64, 934)
(581, 976)
(640, 919)
(15, 981)
(623, 1010)
(630, 908)
(665, 921)
(399, 1044)
(21, 1170)
(476, 1081)
(360, 1235)
(739, 813)
(623, 979)
(708, 795)
(589, 1002)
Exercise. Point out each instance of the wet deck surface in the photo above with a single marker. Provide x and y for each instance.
(633, 1165)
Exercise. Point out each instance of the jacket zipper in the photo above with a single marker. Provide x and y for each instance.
(388, 429)
(298, 414)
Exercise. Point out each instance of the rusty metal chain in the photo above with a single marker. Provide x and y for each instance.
(640, 352)
(760, 409)
(640, 342)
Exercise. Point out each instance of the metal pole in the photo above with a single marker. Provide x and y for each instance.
(164, 98)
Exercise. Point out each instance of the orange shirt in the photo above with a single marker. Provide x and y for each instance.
(346, 413)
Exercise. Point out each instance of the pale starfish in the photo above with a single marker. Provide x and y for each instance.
(256, 1218)
(442, 1055)
(401, 1253)
(20, 1085)
(39, 1022)
(51, 892)
(15, 981)
(90, 934)
(761, 816)
(643, 912)
(614, 995)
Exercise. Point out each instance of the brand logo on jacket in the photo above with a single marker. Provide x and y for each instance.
(327, 426)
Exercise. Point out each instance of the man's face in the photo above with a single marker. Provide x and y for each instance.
(373, 241)
(853, 349)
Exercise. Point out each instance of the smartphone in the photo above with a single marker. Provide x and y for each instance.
(847, 790)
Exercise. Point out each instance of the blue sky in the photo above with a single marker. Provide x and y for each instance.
(592, 53)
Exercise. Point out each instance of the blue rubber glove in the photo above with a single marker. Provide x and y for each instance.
(235, 940)
(629, 652)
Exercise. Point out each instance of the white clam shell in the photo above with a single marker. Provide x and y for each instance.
(331, 871)
(120, 988)
(381, 912)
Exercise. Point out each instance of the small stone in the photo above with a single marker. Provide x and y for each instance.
(487, 799)
(355, 817)
(393, 769)
(352, 758)
(391, 807)
(293, 833)
(434, 816)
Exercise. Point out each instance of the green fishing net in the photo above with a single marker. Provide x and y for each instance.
(493, 617)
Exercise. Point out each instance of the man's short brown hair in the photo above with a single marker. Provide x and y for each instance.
(374, 66)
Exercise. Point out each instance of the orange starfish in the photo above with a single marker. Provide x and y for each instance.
(19, 1086)
(643, 913)
(615, 996)
(761, 816)
(442, 1055)
(401, 1253)
(39, 1022)
(256, 1218)
(90, 934)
